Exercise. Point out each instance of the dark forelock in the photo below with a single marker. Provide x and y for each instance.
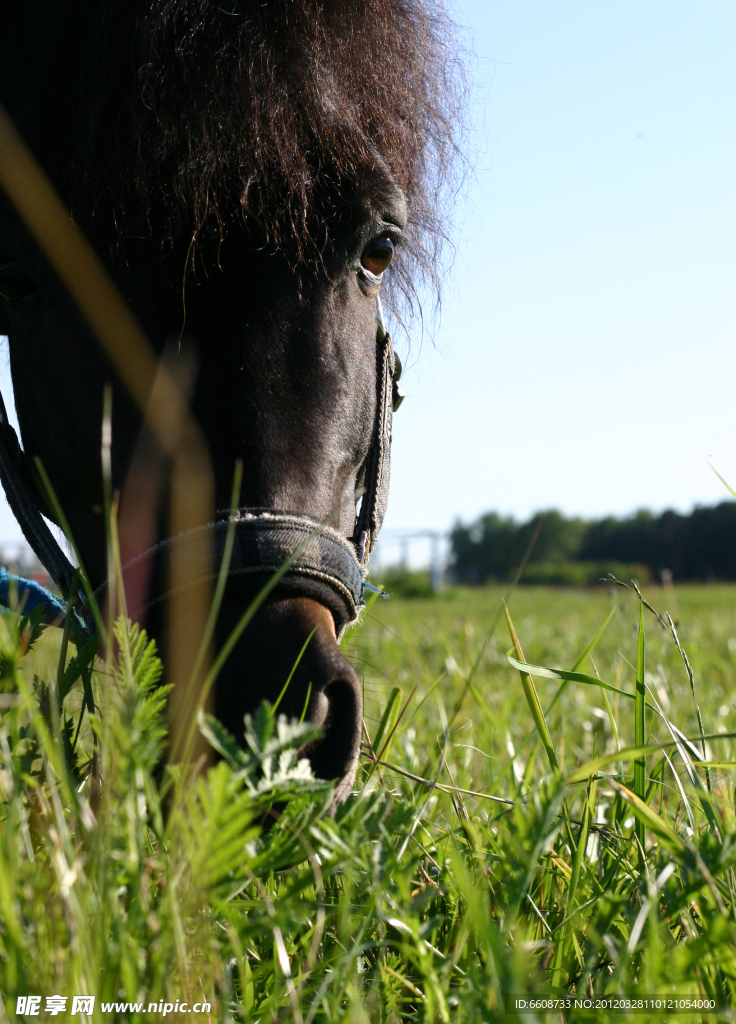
(269, 111)
(197, 115)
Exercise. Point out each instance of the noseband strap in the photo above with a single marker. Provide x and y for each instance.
(325, 565)
(322, 565)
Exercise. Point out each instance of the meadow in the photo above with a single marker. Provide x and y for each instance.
(508, 836)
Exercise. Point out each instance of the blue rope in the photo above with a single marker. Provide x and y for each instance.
(29, 595)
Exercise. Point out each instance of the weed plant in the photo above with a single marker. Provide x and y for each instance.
(515, 829)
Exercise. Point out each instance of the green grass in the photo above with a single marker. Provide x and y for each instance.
(512, 841)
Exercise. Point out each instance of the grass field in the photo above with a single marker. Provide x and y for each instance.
(508, 845)
(408, 642)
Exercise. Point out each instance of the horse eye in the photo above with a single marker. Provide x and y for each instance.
(15, 282)
(377, 255)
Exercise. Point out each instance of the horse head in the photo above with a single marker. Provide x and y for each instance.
(247, 176)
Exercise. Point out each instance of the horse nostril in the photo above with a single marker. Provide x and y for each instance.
(338, 709)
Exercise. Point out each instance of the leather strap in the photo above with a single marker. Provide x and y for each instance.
(13, 474)
(323, 563)
(378, 463)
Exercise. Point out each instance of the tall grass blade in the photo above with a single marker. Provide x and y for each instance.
(703, 795)
(691, 680)
(391, 724)
(574, 677)
(388, 719)
(222, 575)
(532, 698)
(590, 768)
(584, 771)
(577, 867)
(649, 817)
(589, 648)
(496, 619)
(683, 794)
(294, 667)
(639, 728)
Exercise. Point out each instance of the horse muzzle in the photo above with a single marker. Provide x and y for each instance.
(323, 689)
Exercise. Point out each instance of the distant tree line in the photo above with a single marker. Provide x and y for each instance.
(698, 546)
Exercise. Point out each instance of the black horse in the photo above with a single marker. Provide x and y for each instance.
(245, 171)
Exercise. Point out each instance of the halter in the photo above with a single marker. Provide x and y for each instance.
(325, 565)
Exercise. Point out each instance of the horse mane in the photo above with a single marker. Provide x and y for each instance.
(198, 116)
(268, 111)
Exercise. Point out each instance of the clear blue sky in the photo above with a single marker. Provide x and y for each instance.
(586, 353)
